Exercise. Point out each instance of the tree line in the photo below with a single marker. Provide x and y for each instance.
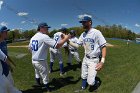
(114, 31)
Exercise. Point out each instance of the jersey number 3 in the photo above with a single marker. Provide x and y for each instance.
(34, 45)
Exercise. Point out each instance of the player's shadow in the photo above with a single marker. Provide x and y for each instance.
(68, 68)
(33, 90)
(55, 85)
(72, 67)
(61, 82)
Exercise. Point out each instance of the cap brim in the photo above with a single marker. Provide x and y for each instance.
(5, 30)
(47, 26)
(82, 21)
(8, 30)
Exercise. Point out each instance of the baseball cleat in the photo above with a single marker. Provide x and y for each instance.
(62, 73)
(80, 90)
(95, 86)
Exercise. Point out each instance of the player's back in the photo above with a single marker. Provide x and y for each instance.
(38, 46)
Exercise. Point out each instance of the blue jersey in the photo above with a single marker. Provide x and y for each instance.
(3, 47)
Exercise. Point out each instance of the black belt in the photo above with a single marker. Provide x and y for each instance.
(73, 50)
(89, 57)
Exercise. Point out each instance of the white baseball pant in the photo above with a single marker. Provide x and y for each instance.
(57, 54)
(88, 69)
(75, 54)
(41, 70)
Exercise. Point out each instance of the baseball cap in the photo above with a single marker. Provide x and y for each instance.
(72, 32)
(4, 28)
(43, 24)
(63, 29)
(85, 18)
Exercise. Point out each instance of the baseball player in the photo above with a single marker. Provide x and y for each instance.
(57, 52)
(128, 42)
(39, 45)
(6, 85)
(73, 51)
(95, 45)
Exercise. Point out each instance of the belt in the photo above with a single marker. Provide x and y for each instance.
(73, 50)
(89, 57)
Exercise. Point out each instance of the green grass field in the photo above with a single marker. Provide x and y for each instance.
(119, 75)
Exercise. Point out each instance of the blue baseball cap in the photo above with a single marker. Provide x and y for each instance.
(43, 24)
(73, 32)
(63, 29)
(4, 28)
(85, 18)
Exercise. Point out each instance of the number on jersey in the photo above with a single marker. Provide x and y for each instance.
(34, 45)
(92, 47)
(56, 38)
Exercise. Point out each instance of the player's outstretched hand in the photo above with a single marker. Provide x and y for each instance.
(99, 66)
(62, 36)
(65, 36)
(69, 35)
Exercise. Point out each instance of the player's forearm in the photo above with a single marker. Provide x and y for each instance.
(103, 54)
(73, 44)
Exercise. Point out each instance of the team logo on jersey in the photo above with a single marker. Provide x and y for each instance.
(89, 40)
(89, 43)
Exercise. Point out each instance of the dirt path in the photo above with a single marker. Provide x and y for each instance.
(110, 45)
(20, 46)
(25, 46)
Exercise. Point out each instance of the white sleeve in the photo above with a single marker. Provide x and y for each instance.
(101, 39)
(49, 41)
(3, 57)
(80, 40)
(65, 44)
(74, 44)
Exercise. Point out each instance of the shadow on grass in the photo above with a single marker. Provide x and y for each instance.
(55, 84)
(72, 67)
(68, 68)
(61, 82)
(33, 90)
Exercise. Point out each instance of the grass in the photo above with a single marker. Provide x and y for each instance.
(119, 75)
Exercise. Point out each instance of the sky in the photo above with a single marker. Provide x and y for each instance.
(27, 14)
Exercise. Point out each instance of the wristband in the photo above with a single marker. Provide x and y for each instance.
(103, 60)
